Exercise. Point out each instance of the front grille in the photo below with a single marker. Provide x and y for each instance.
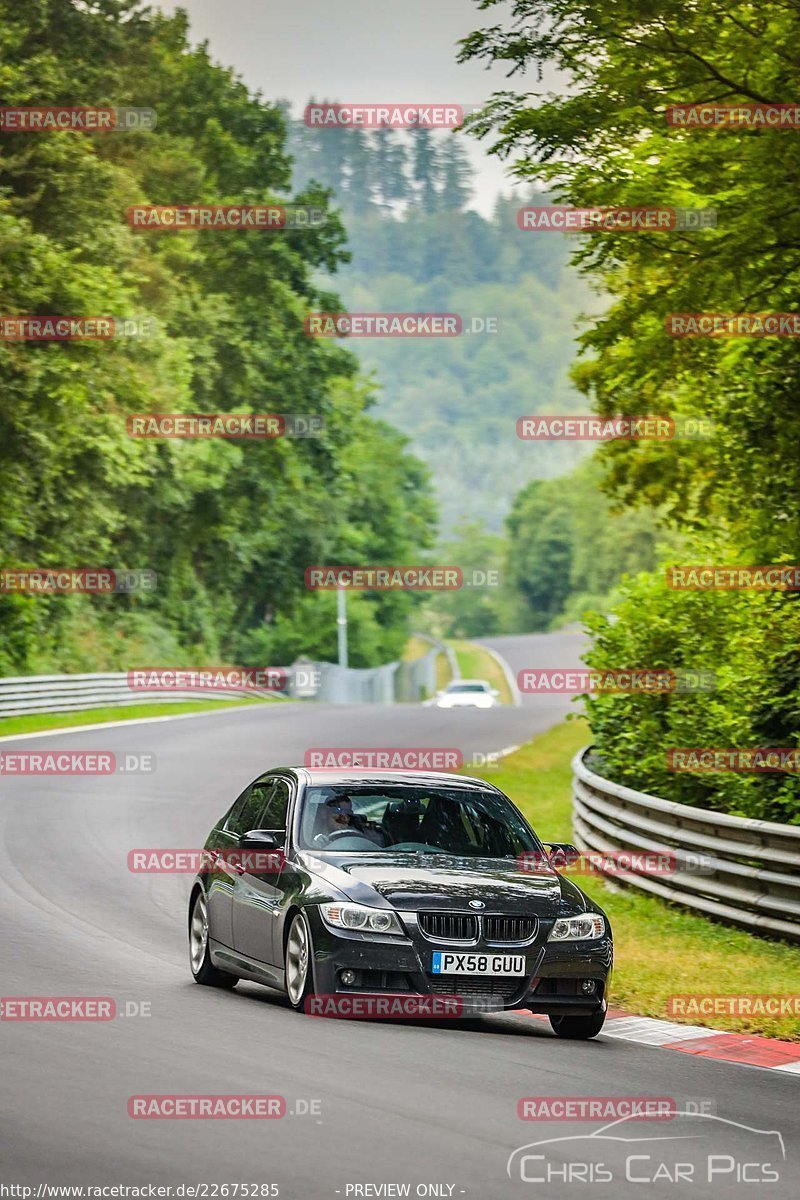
(509, 929)
(498, 988)
(448, 927)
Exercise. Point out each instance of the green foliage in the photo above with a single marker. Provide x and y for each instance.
(228, 527)
(568, 547)
(749, 640)
(605, 142)
(481, 607)
(415, 249)
(458, 399)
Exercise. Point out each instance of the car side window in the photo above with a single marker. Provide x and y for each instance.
(246, 812)
(274, 814)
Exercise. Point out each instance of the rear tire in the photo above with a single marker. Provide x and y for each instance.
(203, 969)
(578, 1028)
(297, 960)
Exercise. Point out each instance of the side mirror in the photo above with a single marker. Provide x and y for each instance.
(562, 854)
(259, 839)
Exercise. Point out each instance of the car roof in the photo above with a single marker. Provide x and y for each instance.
(314, 776)
(456, 682)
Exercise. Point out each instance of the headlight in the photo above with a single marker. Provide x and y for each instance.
(578, 929)
(360, 917)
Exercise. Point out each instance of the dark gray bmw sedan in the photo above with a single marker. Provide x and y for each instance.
(420, 886)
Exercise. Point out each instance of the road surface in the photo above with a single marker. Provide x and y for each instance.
(416, 1103)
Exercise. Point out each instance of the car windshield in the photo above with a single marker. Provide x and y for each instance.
(467, 687)
(406, 818)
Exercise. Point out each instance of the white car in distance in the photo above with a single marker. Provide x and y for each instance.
(467, 693)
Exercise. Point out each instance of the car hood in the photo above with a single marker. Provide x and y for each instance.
(466, 700)
(440, 881)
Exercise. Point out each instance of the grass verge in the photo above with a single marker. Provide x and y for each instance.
(417, 647)
(475, 662)
(125, 712)
(660, 949)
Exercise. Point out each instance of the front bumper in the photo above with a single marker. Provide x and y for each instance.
(553, 983)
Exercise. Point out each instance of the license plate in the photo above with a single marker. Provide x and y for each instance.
(447, 962)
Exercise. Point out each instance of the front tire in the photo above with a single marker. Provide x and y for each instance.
(203, 969)
(297, 960)
(578, 1028)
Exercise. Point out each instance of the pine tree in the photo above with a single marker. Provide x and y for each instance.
(457, 174)
(427, 172)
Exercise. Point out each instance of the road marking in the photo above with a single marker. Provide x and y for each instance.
(651, 1032)
(747, 1049)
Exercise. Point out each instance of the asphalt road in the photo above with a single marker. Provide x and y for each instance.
(541, 652)
(398, 1103)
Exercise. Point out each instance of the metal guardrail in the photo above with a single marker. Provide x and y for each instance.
(74, 693)
(750, 873)
(327, 682)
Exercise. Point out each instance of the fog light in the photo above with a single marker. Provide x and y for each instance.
(588, 986)
(348, 977)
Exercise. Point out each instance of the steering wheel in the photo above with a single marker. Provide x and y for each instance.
(337, 833)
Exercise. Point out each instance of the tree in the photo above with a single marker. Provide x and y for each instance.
(391, 165)
(229, 527)
(457, 174)
(426, 170)
(606, 142)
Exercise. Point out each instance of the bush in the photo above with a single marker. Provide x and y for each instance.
(749, 640)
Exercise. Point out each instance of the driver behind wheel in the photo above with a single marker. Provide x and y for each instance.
(337, 815)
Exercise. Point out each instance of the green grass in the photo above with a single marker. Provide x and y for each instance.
(660, 949)
(474, 662)
(124, 712)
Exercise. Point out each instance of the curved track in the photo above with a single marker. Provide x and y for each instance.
(400, 1103)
